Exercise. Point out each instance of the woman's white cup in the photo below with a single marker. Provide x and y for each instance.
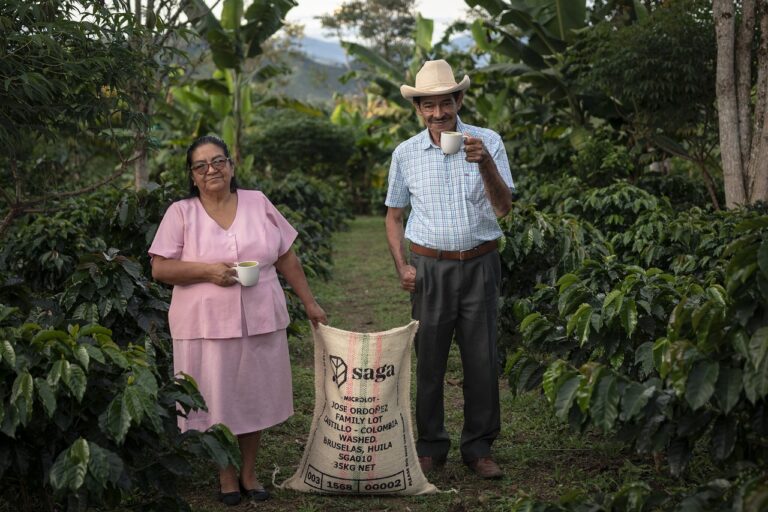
(450, 142)
(247, 272)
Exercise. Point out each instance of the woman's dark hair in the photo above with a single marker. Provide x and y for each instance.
(200, 141)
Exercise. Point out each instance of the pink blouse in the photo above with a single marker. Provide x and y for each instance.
(258, 233)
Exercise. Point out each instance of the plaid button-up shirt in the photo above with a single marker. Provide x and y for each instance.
(449, 208)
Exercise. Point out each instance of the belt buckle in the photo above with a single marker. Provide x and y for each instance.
(439, 254)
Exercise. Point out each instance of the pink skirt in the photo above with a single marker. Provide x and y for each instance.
(246, 382)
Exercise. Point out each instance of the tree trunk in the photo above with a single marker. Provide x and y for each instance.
(756, 177)
(727, 104)
(744, 38)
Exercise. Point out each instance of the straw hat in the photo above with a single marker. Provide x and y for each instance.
(434, 78)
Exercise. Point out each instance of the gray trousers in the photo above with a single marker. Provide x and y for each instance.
(457, 298)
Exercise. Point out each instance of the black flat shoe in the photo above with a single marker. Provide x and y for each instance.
(230, 499)
(255, 494)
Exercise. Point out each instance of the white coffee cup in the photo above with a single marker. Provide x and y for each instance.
(451, 142)
(247, 272)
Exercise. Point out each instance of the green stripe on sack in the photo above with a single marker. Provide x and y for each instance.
(365, 347)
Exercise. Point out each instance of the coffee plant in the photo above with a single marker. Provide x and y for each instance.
(648, 324)
(110, 289)
(86, 423)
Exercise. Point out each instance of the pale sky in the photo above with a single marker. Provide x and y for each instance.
(444, 12)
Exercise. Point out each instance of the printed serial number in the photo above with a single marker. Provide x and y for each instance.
(392, 484)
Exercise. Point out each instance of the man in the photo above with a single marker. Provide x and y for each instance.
(454, 270)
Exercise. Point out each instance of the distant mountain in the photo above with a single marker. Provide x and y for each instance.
(331, 52)
(324, 52)
(315, 82)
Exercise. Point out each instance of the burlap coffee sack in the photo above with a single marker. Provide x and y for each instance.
(361, 439)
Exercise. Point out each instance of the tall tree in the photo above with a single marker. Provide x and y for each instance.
(627, 75)
(742, 120)
(385, 26)
(72, 76)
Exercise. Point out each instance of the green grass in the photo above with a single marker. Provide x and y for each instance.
(541, 457)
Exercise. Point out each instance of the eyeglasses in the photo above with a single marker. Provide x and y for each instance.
(218, 164)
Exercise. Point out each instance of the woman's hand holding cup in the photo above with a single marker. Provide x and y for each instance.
(223, 274)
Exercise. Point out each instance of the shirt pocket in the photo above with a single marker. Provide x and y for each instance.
(474, 190)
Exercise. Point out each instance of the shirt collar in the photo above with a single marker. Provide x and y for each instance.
(426, 140)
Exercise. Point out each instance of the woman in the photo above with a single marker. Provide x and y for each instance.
(231, 339)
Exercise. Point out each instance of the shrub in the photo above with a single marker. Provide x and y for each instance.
(663, 361)
(614, 208)
(289, 141)
(599, 162)
(85, 423)
(111, 289)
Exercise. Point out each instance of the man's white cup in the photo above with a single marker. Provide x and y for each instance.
(451, 142)
(247, 272)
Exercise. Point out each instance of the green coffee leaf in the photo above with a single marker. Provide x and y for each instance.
(82, 356)
(592, 373)
(70, 467)
(762, 257)
(95, 353)
(755, 381)
(644, 358)
(77, 381)
(91, 329)
(56, 373)
(215, 450)
(145, 379)
(117, 357)
(629, 316)
(612, 304)
(728, 388)
(604, 406)
(43, 337)
(118, 419)
(635, 398)
(740, 341)
(134, 401)
(46, 396)
(758, 346)
(551, 375)
(717, 294)
(566, 281)
(152, 413)
(701, 383)
(569, 299)
(566, 395)
(23, 387)
(580, 323)
(7, 353)
(529, 375)
(104, 466)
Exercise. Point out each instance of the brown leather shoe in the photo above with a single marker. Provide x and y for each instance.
(485, 467)
(429, 464)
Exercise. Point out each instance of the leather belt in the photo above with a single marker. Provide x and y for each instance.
(481, 249)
